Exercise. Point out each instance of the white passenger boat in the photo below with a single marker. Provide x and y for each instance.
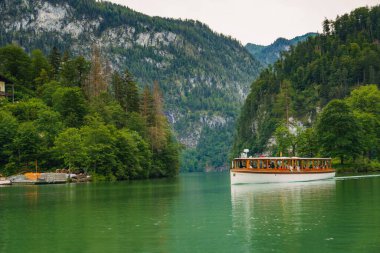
(4, 181)
(249, 170)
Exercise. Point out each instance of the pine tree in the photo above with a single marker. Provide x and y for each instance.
(118, 89)
(55, 62)
(132, 93)
(147, 109)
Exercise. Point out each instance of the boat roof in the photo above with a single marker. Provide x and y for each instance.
(281, 158)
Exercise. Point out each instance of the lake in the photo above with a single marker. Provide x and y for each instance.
(192, 213)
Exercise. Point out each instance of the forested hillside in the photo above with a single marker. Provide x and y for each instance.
(290, 95)
(268, 55)
(204, 76)
(67, 112)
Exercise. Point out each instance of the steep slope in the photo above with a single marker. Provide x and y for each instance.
(269, 54)
(310, 75)
(204, 76)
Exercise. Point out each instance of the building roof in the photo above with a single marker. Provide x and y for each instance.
(4, 79)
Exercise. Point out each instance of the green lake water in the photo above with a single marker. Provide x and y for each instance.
(192, 213)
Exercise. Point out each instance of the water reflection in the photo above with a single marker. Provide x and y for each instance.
(277, 211)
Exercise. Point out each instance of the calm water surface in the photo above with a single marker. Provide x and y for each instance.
(192, 213)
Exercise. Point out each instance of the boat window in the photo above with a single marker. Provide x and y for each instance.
(243, 164)
(263, 164)
(253, 164)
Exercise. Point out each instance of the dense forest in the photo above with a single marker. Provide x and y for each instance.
(67, 112)
(204, 76)
(315, 92)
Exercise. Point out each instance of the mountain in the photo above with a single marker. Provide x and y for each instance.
(267, 55)
(204, 76)
(324, 67)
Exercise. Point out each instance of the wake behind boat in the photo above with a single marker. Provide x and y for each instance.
(246, 170)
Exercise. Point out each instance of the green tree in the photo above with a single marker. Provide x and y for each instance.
(109, 110)
(55, 63)
(8, 129)
(286, 141)
(71, 104)
(99, 142)
(39, 67)
(74, 71)
(132, 93)
(15, 63)
(46, 91)
(147, 107)
(338, 131)
(308, 145)
(28, 145)
(49, 125)
(133, 156)
(365, 102)
(119, 90)
(70, 147)
(27, 110)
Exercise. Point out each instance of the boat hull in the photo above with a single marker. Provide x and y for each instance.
(260, 178)
(5, 182)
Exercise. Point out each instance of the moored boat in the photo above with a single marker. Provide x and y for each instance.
(4, 181)
(246, 170)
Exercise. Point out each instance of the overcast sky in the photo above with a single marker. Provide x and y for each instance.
(260, 22)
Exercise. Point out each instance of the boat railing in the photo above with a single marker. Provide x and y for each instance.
(282, 164)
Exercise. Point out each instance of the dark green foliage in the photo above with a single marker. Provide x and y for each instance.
(325, 67)
(365, 103)
(61, 129)
(55, 63)
(119, 90)
(71, 104)
(27, 144)
(27, 110)
(308, 145)
(40, 67)
(131, 93)
(200, 71)
(15, 63)
(8, 128)
(74, 71)
(126, 92)
(338, 131)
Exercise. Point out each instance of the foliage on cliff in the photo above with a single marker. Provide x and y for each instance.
(71, 113)
(325, 67)
(346, 129)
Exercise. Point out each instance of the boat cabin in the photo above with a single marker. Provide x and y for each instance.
(281, 164)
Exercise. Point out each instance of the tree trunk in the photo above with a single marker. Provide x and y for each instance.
(341, 160)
